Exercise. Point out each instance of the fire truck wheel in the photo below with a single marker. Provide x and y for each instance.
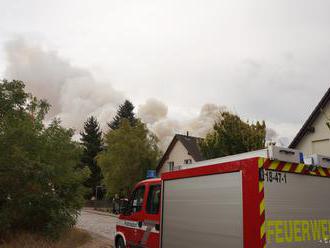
(120, 243)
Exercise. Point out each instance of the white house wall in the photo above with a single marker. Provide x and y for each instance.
(319, 141)
(178, 155)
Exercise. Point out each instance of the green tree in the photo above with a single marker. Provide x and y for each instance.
(40, 188)
(231, 135)
(129, 152)
(125, 111)
(91, 139)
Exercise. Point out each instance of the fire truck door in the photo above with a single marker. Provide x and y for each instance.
(137, 216)
(150, 237)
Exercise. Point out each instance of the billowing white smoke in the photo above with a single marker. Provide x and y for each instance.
(154, 113)
(202, 124)
(73, 92)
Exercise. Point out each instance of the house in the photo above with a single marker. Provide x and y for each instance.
(183, 149)
(314, 136)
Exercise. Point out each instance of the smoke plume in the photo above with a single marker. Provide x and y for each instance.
(154, 113)
(74, 94)
(72, 91)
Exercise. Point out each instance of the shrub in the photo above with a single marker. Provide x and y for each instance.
(40, 187)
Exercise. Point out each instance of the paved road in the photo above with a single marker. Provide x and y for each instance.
(99, 224)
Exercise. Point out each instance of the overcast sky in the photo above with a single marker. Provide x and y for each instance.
(265, 60)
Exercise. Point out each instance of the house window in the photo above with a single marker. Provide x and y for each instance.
(170, 166)
(187, 161)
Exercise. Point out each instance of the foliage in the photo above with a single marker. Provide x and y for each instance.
(231, 135)
(129, 152)
(125, 111)
(91, 139)
(40, 187)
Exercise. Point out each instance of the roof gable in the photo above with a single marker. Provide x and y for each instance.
(308, 124)
(189, 142)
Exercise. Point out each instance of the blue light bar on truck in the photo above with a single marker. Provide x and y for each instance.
(151, 174)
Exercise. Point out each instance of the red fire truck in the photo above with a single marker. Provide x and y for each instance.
(268, 198)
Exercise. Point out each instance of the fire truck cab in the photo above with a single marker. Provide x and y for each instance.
(138, 225)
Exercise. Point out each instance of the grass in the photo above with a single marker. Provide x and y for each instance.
(73, 238)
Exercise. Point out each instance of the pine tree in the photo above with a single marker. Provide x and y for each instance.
(91, 139)
(125, 111)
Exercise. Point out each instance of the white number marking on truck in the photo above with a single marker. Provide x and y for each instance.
(275, 177)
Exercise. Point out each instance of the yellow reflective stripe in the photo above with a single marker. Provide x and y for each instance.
(322, 173)
(299, 168)
(261, 186)
(262, 206)
(274, 165)
(262, 230)
(260, 162)
(287, 167)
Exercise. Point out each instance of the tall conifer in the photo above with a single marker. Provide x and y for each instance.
(125, 111)
(91, 139)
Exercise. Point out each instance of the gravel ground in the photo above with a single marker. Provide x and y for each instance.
(100, 226)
